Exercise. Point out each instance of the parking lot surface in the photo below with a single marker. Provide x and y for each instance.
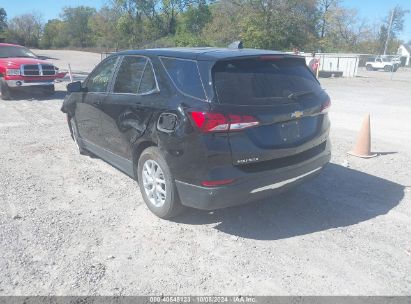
(74, 225)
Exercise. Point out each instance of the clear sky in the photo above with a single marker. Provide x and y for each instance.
(371, 10)
(375, 10)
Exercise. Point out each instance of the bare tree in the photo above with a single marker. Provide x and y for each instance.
(325, 8)
(392, 26)
(26, 29)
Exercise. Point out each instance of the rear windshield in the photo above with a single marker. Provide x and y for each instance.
(258, 81)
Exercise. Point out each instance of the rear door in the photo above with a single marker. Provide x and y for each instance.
(127, 110)
(88, 110)
(281, 93)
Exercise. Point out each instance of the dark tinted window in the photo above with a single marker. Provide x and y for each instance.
(148, 82)
(129, 74)
(185, 76)
(101, 76)
(257, 81)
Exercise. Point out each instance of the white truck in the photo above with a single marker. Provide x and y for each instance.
(382, 63)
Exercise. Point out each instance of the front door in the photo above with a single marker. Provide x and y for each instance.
(88, 110)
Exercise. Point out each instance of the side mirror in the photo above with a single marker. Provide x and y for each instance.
(74, 87)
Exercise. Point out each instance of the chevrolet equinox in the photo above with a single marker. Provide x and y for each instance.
(203, 127)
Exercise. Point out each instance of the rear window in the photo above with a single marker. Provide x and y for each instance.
(185, 76)
(257, 81)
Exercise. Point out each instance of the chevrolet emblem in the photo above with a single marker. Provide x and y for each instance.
(297, 114)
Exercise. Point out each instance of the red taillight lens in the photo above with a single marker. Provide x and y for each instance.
(217, 122)
(216, 183)
(199, 118)
(210, 122)
(326, 106)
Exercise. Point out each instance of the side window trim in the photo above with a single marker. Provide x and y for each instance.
(171, 78)
(111, 81)
(114, 78)
(157, 88)
(142, 75)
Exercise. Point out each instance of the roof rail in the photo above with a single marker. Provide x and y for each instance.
(236, 45)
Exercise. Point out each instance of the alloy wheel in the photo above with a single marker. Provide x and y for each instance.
(154, 183)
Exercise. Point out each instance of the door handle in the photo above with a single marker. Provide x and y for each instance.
(97, 102)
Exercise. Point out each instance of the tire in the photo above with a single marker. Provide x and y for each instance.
(388, 68)
(369, 67)
(48, 90)
(74, 133)
(6, 93)
(164, 203)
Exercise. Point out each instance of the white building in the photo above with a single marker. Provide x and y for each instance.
(345, 65)
(405, 51)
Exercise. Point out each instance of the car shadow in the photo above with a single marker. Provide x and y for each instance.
(38, 96)
(338, 197)
(384, 153)
(44, 57)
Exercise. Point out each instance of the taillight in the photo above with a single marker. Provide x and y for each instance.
(326, 106)
(217, 122)
(210, 122)
(240, 122)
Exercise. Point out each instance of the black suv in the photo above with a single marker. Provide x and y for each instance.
(203, 127)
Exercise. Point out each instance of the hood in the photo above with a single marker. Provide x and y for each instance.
(17, 62)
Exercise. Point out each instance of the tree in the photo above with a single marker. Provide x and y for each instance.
(26, 29)
(54, 35)
(170, 10)
(325, 11)
(104, 28)
(3, 20)
(196, 17)
(392, 25)
(77, 26)
(191, 24)
(309, 25)
(223, 27)
(277, 24)
(130, 23)
(351, 30)
(340, 29)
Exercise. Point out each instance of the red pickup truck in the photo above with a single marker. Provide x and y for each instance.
(20, 68)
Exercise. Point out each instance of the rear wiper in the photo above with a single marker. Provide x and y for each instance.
(297, 95)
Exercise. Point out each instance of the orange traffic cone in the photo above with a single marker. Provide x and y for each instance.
(363, 146)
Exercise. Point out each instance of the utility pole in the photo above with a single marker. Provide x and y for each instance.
(389, 31)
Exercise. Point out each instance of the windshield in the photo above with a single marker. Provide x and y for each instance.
(258, 81)
(15, 51)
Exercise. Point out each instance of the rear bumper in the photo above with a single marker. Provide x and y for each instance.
(23, 83)
(254, 187)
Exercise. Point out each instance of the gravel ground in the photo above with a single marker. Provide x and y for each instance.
(73, 225)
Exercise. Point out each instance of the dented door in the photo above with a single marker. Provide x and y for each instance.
(130, 105)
